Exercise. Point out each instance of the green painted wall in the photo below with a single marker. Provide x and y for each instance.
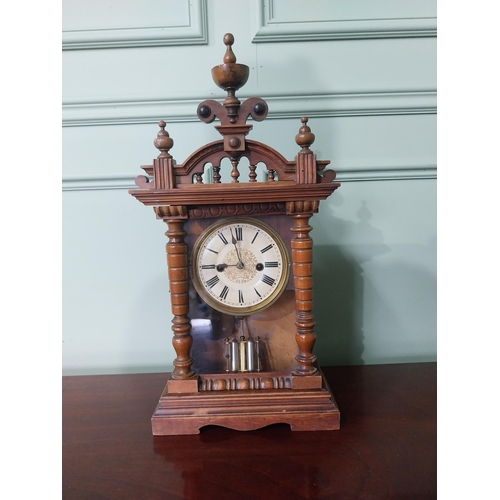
(364, 72)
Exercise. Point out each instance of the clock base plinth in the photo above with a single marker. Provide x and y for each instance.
(304, 409)
(182, 386)
(307, 382)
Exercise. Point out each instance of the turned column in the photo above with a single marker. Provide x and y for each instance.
(178, 275)
(302, 253)
(302, 269)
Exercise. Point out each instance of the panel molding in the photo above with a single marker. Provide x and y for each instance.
(389, 173)
(196, 33)
(84, 114)
(270, 29)
(375, 173)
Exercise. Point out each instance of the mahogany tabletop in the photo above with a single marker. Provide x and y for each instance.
(385, 448)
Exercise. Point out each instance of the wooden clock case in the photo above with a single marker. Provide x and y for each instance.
(200, 391)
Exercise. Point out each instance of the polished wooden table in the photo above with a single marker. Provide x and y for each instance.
(385, 449)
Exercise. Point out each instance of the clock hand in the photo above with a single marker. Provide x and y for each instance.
(240, 264)
(221, 267)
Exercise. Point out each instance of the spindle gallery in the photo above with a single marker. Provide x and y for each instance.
(239, 257)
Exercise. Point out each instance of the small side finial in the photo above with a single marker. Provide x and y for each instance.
(163, 142)
(305, 137)
(229, 56)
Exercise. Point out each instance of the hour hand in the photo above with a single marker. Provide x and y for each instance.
(221, 267)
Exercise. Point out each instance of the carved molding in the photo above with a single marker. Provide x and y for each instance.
(210, 211)
(242, 383)
(163, 211)
(246, 193)
(297, 207)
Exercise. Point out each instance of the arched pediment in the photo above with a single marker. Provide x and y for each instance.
(255, 151)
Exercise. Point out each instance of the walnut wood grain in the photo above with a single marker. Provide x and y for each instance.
(213, 194)
(184, 198)
(385, 449)
(302, 269)
(178, 275)
(244, 410)
(255, 151)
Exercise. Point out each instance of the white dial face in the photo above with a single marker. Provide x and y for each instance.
(240, 266)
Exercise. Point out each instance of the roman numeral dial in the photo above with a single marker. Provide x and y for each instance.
(240, 266)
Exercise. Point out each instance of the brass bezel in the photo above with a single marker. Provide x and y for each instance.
(240, 311)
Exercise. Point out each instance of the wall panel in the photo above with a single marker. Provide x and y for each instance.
(371, 100)
(91, 24)
(290, 20)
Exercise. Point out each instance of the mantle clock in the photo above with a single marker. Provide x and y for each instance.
(239, 257)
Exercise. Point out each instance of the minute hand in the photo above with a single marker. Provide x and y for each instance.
(233, 239)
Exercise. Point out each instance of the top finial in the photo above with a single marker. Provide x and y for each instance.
(229, 56)
(230, 74)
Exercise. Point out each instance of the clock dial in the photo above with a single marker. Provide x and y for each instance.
(240, 266)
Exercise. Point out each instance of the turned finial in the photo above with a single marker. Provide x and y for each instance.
(163, 142)
(305, 137)
(230, 75)
(229, 56)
